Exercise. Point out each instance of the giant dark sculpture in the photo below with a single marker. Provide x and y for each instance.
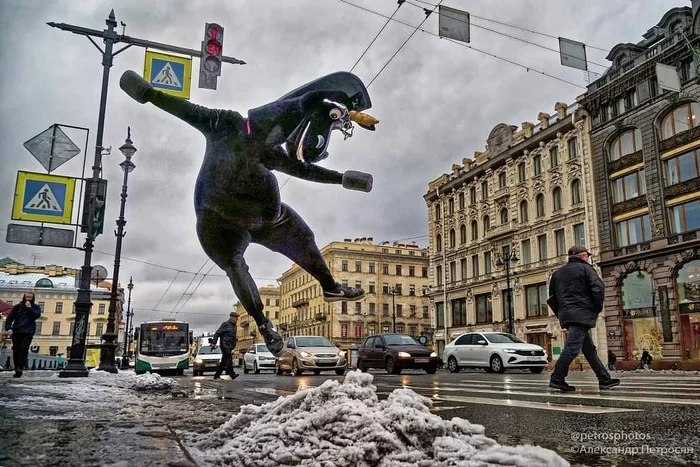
(237, 199)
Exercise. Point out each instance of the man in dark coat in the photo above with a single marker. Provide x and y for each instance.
(576, 296)
(227, 334)
(21, 326)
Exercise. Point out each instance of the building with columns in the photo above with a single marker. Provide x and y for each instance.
(500, 224)
(247, 333)
(393, 275)
(646, 160)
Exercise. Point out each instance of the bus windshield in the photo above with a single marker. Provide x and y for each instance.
(164, 339)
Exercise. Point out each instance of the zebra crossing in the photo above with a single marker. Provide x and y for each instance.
(520, 391)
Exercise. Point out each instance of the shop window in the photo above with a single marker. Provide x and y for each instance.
(641, 316)
(688, 287)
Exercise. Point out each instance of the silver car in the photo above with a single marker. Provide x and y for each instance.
(311, 353)
(258, 358)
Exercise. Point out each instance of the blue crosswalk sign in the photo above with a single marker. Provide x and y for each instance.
(169, 73)
(43, 198)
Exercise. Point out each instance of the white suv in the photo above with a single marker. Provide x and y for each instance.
(494, 351)
(258, 358)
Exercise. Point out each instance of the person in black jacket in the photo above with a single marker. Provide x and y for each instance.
(21, 326)
(227, 334)
(237, 197)
(576, 297)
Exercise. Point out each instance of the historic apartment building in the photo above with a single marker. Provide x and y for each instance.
(500, 224)
(55, 292)
(247, 332)
(646, 159)
(393, 275)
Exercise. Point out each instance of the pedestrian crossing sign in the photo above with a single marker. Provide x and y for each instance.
(168, 73)
(43, 198)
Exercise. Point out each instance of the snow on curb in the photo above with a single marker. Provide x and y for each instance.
(662, 372)
(129, 380)
(343, 425)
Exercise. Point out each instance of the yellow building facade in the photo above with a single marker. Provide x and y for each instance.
(247, 332)
(55, 292)
(393, 275)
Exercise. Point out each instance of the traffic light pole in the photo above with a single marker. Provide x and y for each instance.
(76, 362)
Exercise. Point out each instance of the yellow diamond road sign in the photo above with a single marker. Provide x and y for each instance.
(43, 198)
(168, 73)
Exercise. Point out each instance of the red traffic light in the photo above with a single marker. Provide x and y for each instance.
(214, 47)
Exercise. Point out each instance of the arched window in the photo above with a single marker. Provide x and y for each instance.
(46, 283)
(504, 216)
(452, 238)
(438, 243)
(682, 118)
(556, 199)
(539, 203)
(487, 224)
(463, 234)
(627, 143)
(437, 211)
(576, 191)
(523, 211)
(475, 230)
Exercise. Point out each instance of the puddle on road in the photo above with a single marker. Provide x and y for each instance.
(207, 392)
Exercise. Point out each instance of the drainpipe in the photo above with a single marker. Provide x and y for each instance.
(444, 267)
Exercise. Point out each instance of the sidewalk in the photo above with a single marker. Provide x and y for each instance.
(97, 421)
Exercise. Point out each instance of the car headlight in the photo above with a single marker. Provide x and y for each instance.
(304, 354)
(509, 350)
(433, 355)
(341, 353)
(404, 355)
(198, 360)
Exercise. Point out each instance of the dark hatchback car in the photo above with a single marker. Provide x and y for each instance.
(395, 352)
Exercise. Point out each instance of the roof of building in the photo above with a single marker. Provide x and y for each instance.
(32, 280)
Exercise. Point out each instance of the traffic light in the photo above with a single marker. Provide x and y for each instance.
(93, 219)
(210, 62)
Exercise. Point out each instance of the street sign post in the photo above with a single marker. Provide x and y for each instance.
(43, 198)
(39, 235)
(52, 148)
(168, 73)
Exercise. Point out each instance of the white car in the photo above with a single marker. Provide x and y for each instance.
(258, 358)
(206, 359)
(494, 351)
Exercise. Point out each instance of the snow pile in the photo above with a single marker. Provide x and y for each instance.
(344, 425)
(130, 380)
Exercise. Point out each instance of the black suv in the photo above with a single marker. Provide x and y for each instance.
(395, 352)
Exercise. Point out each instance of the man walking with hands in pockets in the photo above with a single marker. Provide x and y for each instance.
(576, 295)
(227, 334)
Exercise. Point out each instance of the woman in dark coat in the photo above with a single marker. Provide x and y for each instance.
(21, 326)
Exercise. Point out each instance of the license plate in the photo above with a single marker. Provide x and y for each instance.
(326, 360)
(533, 359)
(422, 360)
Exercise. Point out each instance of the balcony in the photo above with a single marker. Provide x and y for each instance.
(320, 317)
(299, 303)
(502, 230)
(501, 193)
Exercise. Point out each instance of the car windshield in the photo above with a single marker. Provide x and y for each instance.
(313, 342)
(205, 349)
(400, 339)
(503, 338)
(262, 348)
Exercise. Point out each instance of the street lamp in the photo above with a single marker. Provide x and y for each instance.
(505, 259)
(392, 291)
(129, 313)
(108, 345)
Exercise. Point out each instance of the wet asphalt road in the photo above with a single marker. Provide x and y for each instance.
(649, 420)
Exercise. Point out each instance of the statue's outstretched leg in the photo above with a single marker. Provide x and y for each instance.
(226, 246)
(293, 238)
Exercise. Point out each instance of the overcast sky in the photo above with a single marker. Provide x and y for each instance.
(436, 102)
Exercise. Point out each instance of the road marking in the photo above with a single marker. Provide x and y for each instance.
(635, 389)
(271, 391)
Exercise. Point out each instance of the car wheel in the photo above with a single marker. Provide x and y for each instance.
(256, 370)
(496, 364)
(537, 369)
(340, 371)
(432, 369)
(452, 365)
(295, 368)
(180, 372)
(278, 369)
(361, 366)
(245, 368)
(391, 367)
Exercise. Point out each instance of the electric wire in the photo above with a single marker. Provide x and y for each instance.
(427, 15)
(188, 285)
(558, 52)
(204, 276)
(527, 68)
(166, 290)
(377, 36)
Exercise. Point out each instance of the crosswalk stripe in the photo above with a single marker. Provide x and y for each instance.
(634, 389)
(574, 382)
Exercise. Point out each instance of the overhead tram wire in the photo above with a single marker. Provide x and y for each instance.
(204, 276)
(188, 285)
(166, 290)
(427, 15)
(401, 2)
(558, 52)
(531, 31)
(527, 68)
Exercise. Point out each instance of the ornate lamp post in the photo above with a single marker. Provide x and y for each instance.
(129, 313)
(505, 261)
(108, 345)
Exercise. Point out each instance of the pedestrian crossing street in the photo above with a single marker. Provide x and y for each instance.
(533, 392)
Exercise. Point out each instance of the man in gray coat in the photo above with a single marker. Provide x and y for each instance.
(576, 295)
(227, 334)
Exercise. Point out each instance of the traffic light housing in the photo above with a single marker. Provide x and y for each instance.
(212, 50)
(93, 219)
